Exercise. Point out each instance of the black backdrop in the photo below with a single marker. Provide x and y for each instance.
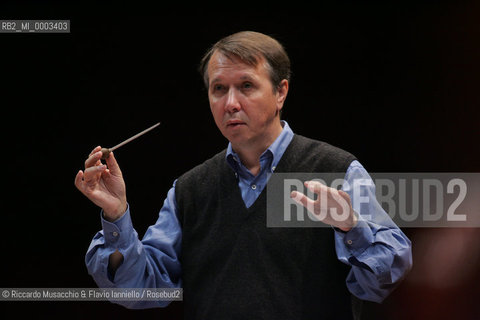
(395, 85)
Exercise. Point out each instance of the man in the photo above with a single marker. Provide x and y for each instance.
(211, 236)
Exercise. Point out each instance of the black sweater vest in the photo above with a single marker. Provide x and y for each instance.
(234, 267)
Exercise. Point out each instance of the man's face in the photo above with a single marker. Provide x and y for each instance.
(243, 102)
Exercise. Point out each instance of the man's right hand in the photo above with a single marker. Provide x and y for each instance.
(103, 184)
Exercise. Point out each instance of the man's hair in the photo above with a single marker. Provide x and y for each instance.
(250, 47)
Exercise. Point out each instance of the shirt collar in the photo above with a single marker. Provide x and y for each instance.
(275, 150)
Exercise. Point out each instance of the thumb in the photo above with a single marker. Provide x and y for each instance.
(113, 165)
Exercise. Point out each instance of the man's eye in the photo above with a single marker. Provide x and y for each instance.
(217, 87)
(247, 85)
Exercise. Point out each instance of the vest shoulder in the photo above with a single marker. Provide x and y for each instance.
(205, 168)
(309, 151)
(323, 146)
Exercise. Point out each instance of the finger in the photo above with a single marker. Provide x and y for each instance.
(93, 159)
(344, 195)
(316, 186)
(96, 149)
(113, 166)
(92, 174)
(303, 200)
(79, 180)
(106, 174)
(327, 197)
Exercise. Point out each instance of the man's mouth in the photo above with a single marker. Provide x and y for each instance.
(235, 123)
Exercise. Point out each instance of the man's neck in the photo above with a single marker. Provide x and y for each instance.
(250, 153)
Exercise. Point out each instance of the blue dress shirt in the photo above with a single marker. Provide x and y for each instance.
(376, 249)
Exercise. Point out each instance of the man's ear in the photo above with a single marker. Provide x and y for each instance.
(282, 91)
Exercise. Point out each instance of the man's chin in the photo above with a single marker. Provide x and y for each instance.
(236, 139)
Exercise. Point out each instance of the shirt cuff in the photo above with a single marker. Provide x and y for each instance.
(357, 239)
(118, 232)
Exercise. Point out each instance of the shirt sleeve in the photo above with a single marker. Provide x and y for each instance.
(150, 263)
(378, 251)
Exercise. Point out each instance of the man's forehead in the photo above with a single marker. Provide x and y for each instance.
(244, 77)
(220, 62)
(220, 59)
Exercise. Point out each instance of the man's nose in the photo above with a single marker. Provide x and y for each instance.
(232, 104)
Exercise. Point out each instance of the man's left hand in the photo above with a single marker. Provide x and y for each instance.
(332, 206)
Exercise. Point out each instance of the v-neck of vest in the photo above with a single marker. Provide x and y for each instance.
(279, 168)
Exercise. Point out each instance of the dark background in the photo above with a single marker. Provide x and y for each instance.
(396, 85)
